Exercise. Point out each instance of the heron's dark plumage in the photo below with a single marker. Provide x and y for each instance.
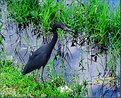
(34, 61)
(41, 56)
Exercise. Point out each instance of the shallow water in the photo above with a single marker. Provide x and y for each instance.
(18, 46)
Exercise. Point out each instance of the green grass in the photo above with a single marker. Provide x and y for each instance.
(12, 83)
(95, 18)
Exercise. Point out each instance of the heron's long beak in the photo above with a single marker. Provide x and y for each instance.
(67, 29)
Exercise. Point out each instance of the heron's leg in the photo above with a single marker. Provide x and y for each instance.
(42, 74)
(37, 76)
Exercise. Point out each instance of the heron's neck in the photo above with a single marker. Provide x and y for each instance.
(54, 39)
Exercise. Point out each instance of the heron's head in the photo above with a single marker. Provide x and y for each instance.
(60, 25)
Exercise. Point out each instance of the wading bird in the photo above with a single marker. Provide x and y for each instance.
(40, 57)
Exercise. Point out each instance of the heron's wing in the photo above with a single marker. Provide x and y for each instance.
(40, 51)
(35, 62)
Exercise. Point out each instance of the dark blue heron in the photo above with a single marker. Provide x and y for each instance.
(40, 57)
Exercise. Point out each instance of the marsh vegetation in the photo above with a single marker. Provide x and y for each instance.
(87, 56)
